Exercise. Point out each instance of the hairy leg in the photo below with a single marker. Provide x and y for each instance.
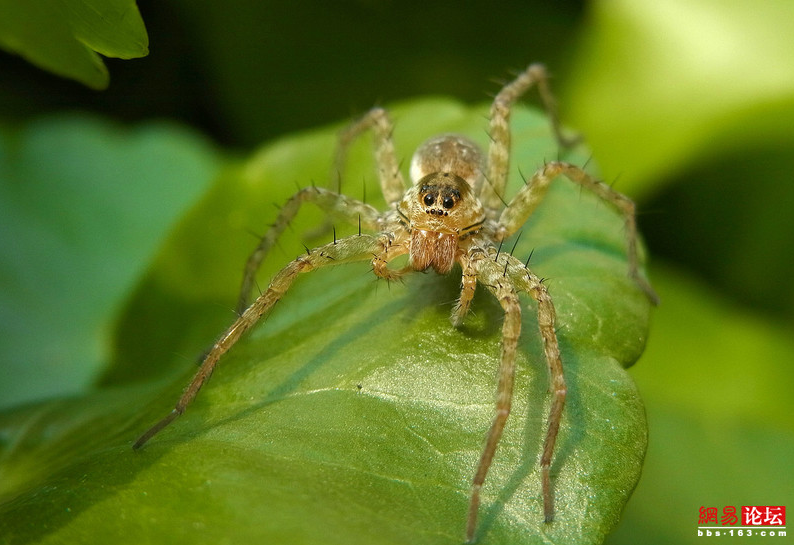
(490, 275)
(491, 193)
(468, 284)
(354, 248)
(504, 276)
(526, 281)
(531, 195)
(391, 180)
(333, 204)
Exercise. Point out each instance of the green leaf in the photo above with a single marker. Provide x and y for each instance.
(64, 36)
(355, 413)
(84, 206)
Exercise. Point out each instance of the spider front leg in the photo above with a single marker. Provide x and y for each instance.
(468, 284)
(531, 195)
(333, 204)
(528, 282)
(490, 275)
(504, 276)
(350, 249)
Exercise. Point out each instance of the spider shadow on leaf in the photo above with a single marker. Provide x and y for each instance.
(523, 481)
(438, 293)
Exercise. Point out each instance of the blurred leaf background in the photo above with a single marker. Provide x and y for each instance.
(688, 106)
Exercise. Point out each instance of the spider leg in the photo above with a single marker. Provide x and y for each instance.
(468, 285)
(391, 247)
(531, 194)
(391, 180)
(490, 274)
(528, 282)
(353, 248)
(492, 191)
(504, 276)
(334, 204)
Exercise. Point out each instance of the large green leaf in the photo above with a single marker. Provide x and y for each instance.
(64, 36)
(356, 412)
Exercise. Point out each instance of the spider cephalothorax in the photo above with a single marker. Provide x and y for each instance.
(454, 211)
(438, 211)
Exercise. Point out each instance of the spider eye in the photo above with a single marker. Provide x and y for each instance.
(448, 202)
(429, 199)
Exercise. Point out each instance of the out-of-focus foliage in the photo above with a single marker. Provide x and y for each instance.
(717, 381)
(65, 36)
(660, 84)
(84, 207)
(691, 104)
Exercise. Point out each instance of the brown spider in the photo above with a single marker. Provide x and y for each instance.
(453, 213)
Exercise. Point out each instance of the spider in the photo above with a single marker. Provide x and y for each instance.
(453, 213)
